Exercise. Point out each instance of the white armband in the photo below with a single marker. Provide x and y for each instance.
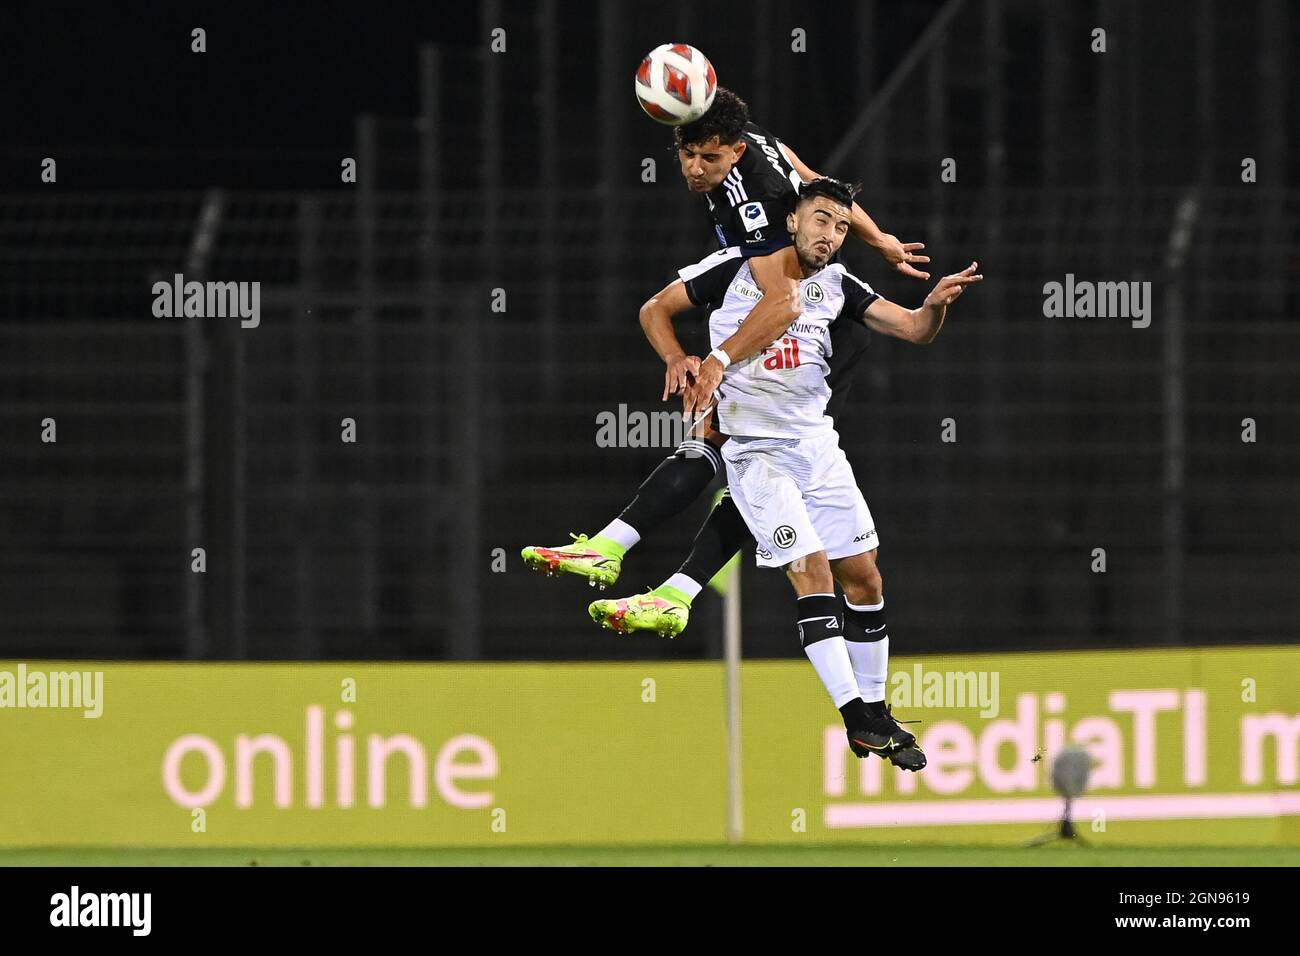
(722, 357)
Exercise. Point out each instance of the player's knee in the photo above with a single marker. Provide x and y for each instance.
(867, 587)
(868, 592)
(811, 574)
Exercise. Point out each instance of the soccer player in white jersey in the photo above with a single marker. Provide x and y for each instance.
(747, 177)
(788, 476)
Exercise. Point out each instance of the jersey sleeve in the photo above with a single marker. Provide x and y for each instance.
(752, 202)
(785, 152)
(858, 296)
(707, 281)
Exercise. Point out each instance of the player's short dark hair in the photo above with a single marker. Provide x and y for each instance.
(725, 119)
(833, 189)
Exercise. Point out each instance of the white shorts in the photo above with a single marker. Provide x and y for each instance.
(798, 496)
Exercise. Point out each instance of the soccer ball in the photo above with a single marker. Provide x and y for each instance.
(675, 84)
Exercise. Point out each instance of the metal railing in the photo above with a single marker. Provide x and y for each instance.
(169, 430)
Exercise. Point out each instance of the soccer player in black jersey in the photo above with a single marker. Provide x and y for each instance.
(749, 180)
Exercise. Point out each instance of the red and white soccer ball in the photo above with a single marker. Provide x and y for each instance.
(675, 84)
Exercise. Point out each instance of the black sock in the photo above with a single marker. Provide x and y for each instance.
(721, 536)
(865, 627)
(672, 486)
(856, 713)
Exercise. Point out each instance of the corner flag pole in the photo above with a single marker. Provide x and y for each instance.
(731, 668)
(731, 654)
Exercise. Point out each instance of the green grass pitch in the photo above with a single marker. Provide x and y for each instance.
(874, 856)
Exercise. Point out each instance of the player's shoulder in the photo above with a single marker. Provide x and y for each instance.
(763, 161)
(840, 289)
(847, 280)
(759, 135)
(729, 259)
(709, 280)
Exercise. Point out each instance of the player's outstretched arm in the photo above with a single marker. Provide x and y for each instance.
(903, 256)
(923, 324)
(657, 323)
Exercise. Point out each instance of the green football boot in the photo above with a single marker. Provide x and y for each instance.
(597, 559)
(665, 610)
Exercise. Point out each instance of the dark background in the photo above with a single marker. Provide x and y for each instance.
(522, 171)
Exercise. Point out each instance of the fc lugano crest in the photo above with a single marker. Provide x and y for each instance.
(812, 293)
(784, 536)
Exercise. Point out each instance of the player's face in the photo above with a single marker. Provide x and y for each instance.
(819, 228)
(705, 165)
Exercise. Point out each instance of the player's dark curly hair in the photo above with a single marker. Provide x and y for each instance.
(725, 119)
(832, 189)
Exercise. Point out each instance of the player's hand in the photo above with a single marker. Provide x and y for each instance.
(675, 375)
(950, 287)
(699, 394)
(902, 255)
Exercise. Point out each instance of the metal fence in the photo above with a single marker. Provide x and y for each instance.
(476, 432)
(476, 428)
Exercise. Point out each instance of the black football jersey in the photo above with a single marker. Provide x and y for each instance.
(749, 207)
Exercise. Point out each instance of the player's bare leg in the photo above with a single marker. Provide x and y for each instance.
(670, 489)
(666, 609)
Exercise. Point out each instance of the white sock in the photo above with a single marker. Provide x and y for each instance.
(622, 533)
(870, 660)
(870, 667)
(686, 584)
(830, 659)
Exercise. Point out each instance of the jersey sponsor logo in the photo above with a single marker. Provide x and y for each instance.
(813, 293)
(807, 328)
(783, 355)
(865, 535)
(784, 536)
(753, 215)
(741, 287)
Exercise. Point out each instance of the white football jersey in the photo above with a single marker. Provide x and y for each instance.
(781, 392)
